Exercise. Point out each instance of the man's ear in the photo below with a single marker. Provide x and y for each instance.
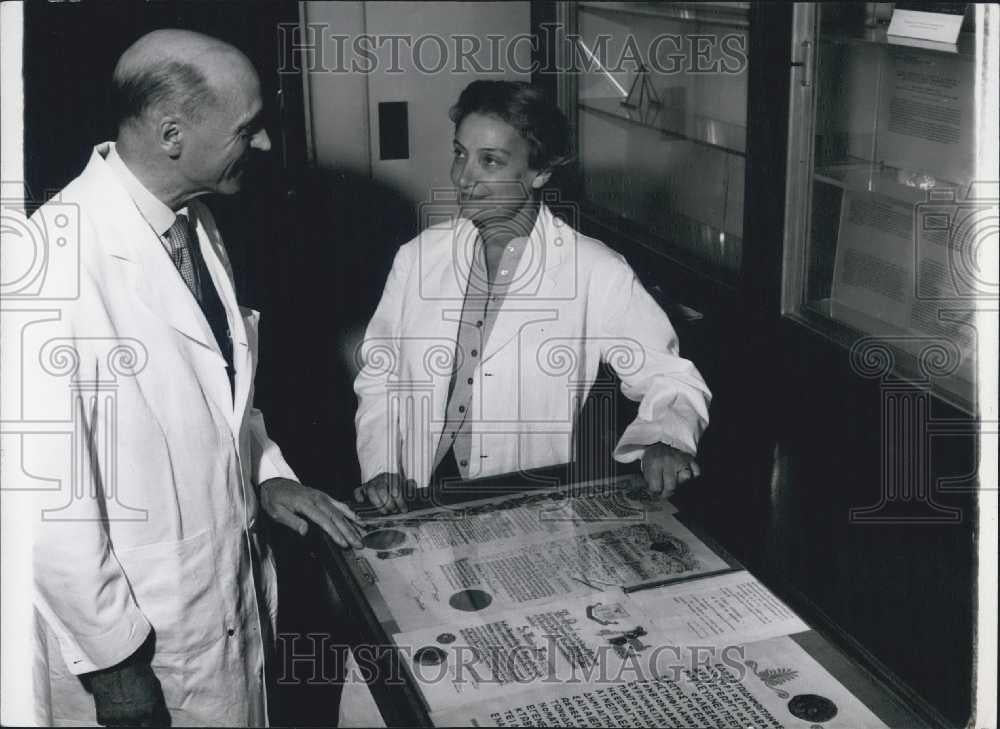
(540, 179)
(170, 135)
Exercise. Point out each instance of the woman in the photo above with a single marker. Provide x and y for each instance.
(492, 326)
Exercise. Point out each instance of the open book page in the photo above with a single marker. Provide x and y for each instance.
(720, 610)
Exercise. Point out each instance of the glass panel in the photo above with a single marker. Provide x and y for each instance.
(893, 213)
(661, 109)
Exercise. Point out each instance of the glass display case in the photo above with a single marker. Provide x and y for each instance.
(576, 604)
(659, 99)
(886, 221)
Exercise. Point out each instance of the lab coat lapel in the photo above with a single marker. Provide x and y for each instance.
(156, 280)
(535, 281)
(214, 252)
(447, 278)
(445, 258)
(148, 267)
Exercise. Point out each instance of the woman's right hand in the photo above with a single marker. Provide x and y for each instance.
(385, 492)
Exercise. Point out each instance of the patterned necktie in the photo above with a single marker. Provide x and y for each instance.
(186, 255)
(182, 237)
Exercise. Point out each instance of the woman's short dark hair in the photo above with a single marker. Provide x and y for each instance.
(524, 107)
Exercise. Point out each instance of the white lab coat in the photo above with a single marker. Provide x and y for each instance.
(572, 303)
(162, 531)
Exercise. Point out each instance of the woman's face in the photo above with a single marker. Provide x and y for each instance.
(490, 169)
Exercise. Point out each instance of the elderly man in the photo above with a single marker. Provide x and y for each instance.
(154, 588)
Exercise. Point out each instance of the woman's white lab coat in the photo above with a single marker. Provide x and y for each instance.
(149, 519)
(573, 302)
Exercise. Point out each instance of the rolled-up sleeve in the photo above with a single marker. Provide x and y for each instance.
(641, 345)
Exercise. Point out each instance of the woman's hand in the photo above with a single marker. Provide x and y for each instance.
(665, 467)
(385, 492)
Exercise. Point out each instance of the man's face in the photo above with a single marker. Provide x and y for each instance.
(218, 146)
(490, 169)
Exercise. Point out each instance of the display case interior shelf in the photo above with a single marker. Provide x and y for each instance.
(884, 216)
(965, 47)
(860, 175)
(676, 123)
(661, 149)
(701, 251)
(733, 14)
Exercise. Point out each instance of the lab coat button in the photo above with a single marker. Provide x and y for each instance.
(463, 463)
(231, 632)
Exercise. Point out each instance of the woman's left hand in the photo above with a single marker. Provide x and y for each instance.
(665, 467)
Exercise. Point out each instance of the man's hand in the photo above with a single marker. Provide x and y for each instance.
(384, 492)
(665, 468)
(128, 694)
(290, 503)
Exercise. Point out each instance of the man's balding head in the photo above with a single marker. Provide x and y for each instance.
(189, 114)
(174, 71)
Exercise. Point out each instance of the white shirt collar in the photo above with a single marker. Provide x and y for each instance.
(156, 213)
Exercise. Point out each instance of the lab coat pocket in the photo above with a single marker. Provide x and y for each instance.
(176, 586)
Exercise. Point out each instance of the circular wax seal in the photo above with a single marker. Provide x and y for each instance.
(668, 547)
(446, 638)
(383, 539)
(470, 600)
(430, 655)
(810, 707)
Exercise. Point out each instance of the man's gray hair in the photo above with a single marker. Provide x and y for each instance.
(171, 85)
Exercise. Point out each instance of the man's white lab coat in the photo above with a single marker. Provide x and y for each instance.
(572, 303)
(149, 519)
